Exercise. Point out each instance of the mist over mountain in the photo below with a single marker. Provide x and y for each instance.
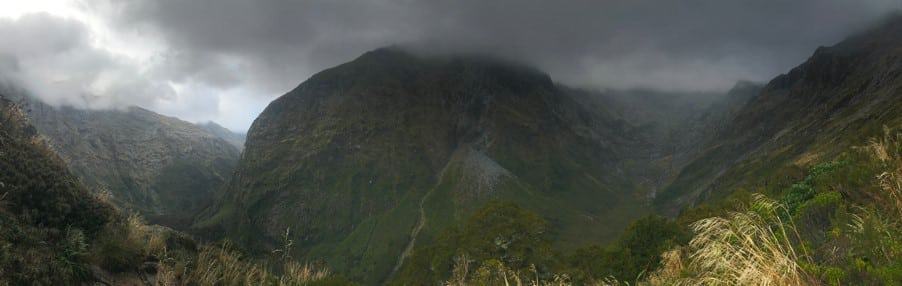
(224, 61)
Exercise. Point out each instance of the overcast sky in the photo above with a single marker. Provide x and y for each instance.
(224, 60)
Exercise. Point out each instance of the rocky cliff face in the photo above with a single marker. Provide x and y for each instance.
(163, 167)
(370, 159)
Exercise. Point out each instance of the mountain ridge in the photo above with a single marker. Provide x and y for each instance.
(816, 109)
(163, 167)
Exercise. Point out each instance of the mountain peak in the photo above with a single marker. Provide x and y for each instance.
(394, 64)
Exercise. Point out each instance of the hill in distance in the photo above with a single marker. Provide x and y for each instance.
(164, 168)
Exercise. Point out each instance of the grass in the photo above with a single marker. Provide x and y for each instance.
(495, 272)
(222, 265)
(746, 248)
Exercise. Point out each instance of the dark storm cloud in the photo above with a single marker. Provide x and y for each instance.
(224, 60)
(688, 45)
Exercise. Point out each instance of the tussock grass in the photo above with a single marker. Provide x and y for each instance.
(888, 151)
(225, 266)
(746, 248)
(751, 247)
(295, 273)
(672, 266)
(153, 242)
(495, 272)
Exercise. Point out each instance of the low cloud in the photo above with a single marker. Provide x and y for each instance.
(53, 58)
(223, 60)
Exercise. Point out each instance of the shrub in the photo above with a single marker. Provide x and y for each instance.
(636, 251)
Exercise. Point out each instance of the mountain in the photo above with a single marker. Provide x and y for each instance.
(840, 95)
(163, 167)
(35, 185)
(233, 138)
(367, 161)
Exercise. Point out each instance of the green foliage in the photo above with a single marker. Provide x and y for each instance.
(796, 195)
(501, 232)
(46, 218)
(637, 251)
(819, 177)
(506, 232)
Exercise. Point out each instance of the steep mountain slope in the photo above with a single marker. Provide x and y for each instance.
(841, 94)
(41, 206)
(163, 167)
(370, 158)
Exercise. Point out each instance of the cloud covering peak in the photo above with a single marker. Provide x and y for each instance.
(223, 60)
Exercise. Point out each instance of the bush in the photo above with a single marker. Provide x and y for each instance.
(636, 252)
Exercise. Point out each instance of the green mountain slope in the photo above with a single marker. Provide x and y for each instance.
(837, 97)
(370, 158)
(44, 211)
(163, 167)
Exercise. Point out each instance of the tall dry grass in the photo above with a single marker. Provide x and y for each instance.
(888, 151)
(494, 272)
(670, 271)
(295, 273)
(224, 266)
(154, 242)
(751, 247)
(877, 231)
(754, 247)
